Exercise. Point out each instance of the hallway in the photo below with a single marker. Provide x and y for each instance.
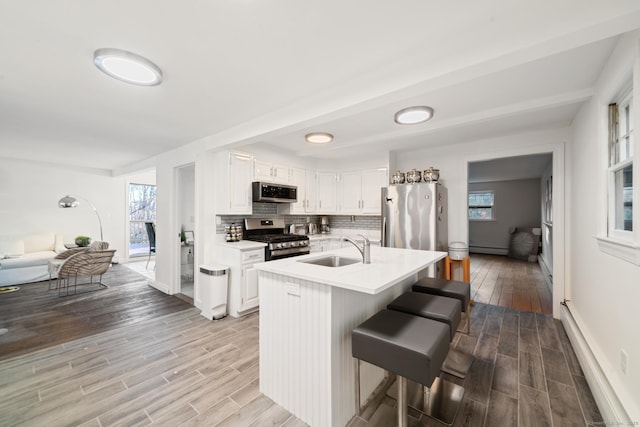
(506, 282)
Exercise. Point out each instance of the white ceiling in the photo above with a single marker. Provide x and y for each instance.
(241, 71)
(510, 168)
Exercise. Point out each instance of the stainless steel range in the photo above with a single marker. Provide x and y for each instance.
(279, 244)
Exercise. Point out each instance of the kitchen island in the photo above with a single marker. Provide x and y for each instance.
(307, 313)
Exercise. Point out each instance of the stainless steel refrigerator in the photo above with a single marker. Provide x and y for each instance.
(414, 216)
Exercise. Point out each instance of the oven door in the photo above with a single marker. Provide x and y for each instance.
(274, 254)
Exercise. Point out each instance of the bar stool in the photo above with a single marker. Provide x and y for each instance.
(451, 289)
(412, 347)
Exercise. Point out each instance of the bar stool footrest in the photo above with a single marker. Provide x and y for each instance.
(445, 399)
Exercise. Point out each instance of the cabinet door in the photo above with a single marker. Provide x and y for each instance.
(269, 172)
(350, 192)
(280, 174)
(310, 191)
(262, 171)
(298, 178)
(326, 191)
(249, 287)
(372, 182)
(240, 173)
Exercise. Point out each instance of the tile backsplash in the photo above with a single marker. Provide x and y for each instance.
(270, 210)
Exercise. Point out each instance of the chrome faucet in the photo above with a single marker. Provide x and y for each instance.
(365, 250)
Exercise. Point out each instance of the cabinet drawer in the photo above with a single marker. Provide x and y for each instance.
(256, 255)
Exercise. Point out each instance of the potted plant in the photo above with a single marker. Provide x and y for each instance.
(83, 241)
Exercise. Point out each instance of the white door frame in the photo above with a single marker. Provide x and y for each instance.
(560, 269)
(175, 286)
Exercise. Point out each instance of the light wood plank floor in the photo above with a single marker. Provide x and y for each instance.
(511, 283)
(181, 369)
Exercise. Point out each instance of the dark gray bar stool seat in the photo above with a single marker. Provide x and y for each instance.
(450, 289)
(410, 346)
(441, 309)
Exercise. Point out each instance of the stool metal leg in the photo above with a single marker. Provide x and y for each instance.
(403, 418)
(357, 369)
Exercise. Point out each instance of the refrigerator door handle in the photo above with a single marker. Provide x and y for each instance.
(384, 232)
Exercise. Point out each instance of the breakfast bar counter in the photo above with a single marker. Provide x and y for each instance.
(307, 312)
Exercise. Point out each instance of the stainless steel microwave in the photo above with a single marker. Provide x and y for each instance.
(275, 193)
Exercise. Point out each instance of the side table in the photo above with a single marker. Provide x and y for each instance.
(466, 268)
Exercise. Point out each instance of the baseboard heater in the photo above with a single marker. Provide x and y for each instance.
(488, 250)
(610, 407)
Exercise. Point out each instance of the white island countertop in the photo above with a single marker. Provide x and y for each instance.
(388, 267)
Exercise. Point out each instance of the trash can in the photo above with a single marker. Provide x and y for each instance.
(214, 290)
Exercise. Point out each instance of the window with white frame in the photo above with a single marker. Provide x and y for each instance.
(481, 206)
(620, 172)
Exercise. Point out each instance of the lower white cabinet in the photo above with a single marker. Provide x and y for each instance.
(243, 277)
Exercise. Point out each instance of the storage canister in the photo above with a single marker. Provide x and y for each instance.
(458, 250)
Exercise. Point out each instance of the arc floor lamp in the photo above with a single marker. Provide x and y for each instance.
(69, 201)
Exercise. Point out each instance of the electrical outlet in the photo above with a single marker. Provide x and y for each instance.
(623, 361)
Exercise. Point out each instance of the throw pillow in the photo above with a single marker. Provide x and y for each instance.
(12, 247)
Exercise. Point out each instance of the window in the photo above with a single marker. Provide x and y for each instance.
(481, 206)
(142, 208)
(619, 236)
(620, 219)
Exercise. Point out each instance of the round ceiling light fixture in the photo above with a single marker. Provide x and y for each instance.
(127, 67)
(319, 137)
(413, 115)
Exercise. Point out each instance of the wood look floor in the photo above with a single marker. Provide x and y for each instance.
(37, 318)
(506, 282)
(172, 367)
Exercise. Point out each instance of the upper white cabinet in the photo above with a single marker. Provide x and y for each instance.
(233, 187)
(372, 182)
(360, 191)
(305, 180)
(270, 172)
(326, 190)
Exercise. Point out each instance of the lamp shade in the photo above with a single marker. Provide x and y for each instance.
(71, 202)
(68, 202)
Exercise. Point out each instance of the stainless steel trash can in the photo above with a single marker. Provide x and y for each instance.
(215, 282)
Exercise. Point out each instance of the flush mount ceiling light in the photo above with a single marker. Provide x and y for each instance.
(319, 137)
(127, 66)
(413, 115)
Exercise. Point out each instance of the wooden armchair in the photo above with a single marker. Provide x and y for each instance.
(83, 263)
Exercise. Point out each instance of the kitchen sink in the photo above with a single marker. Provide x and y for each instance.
(332, 261)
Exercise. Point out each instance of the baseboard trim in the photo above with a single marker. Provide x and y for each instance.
(546, 273)
(160, 286)
(488, 251)
(609, 404)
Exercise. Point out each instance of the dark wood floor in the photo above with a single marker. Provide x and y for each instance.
(511, 283)
(37, 318)
(130, 355)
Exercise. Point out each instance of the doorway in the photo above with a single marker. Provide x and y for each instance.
(185, 224)
(549, 182)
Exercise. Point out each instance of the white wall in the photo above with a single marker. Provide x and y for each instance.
(605, 290)
(30, 192)
(516, 204)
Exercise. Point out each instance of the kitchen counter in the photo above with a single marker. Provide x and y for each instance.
(388, 267)
(243, 245)
(307, 313)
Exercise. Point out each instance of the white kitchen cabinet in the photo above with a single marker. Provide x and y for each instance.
(326, 191)
(360, 191)
(305, 181)
(233, 183)
(270, 172)
(243, 277)
(350, 192)
(372, 182)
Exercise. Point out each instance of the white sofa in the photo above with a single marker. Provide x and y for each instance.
(25, 259)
